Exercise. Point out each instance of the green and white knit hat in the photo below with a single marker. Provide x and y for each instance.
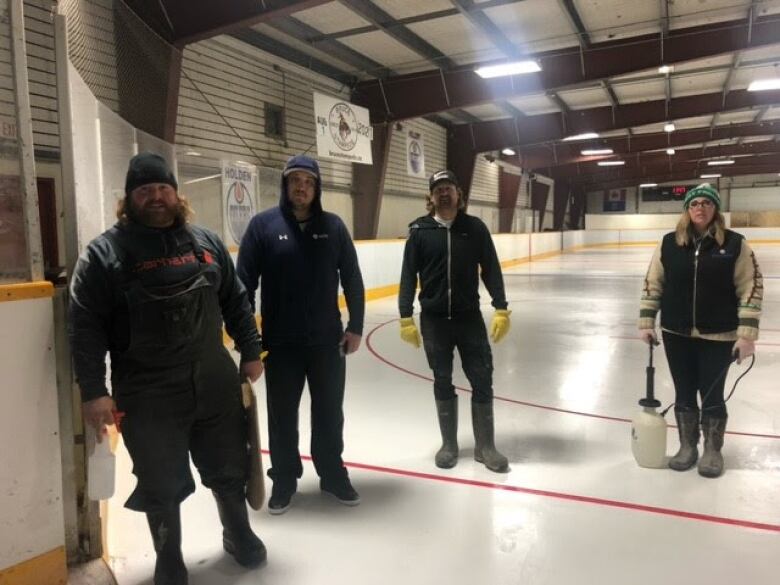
(703, 190)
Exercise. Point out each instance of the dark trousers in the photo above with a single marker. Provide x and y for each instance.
(695, 364)
(287, 368)
(194, 410)
(466, 332)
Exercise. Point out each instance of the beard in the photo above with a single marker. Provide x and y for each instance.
(159, 215)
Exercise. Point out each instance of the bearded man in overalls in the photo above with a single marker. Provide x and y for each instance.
(153, 291)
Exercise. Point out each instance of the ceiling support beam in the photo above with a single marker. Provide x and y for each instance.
(303, 32)
(746, 152)
(561, 199)
(754, 165)
(272, 46)
(182, 23)
(387, 24)
(563, 68)
(460, 160)
(424, 17)
(570, 10)
(508, 189)
(495, 134)
(473, 12)
(540, 157)
(539, 194)
(368, 184)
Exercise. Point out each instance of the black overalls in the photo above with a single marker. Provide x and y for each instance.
(176, 383)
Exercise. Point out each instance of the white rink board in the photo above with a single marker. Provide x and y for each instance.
(30, 468)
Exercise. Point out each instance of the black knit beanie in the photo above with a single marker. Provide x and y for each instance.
(146, 168)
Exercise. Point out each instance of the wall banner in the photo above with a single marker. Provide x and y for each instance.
(344, 131)
(239, 185)
(415, 155)
(615, 200)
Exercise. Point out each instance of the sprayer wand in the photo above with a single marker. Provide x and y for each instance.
(649, 401)
(715, 383)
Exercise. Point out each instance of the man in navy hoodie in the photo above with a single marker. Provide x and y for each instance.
(299, 254)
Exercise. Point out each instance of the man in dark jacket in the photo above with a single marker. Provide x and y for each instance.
(447, 249)
(153, 291)
(299, 253)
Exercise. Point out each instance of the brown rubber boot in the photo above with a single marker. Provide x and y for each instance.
(711, 462)
(688, 428)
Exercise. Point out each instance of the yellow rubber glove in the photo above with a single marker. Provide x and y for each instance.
(409, 331)
(499, 326)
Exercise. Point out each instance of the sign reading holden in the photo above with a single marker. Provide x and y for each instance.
(343, 130)
(239, 184)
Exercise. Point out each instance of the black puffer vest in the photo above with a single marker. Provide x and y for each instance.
(699, 288)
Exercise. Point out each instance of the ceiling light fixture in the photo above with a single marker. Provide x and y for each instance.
(648, 185)
(514, 68)
(583, 136)
(670, 151)
(764, 84)
(508, 152)
(611, 163)
(193, 153)
(596, 151)
(669, 127)
(664, 69)
(711, 176)
(714, 163)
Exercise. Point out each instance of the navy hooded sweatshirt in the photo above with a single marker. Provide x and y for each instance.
(299, 271)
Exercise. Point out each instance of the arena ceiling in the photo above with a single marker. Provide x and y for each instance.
(621, 69)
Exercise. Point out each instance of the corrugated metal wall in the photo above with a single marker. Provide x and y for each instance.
(225, 84)
(404, 196)
(483, 197)
(484, 186)
(39, 33)
(434, 138)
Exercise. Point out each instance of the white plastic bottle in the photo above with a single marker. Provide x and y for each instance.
(648, 438)
(101, 467)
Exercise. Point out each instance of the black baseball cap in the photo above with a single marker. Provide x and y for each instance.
(440, 176)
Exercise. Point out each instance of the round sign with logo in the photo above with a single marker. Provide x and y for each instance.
(343, 126)
(240, 208)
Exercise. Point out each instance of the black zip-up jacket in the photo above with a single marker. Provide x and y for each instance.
(699, 289)
(98, 313)
(299, 273)
(448, 263)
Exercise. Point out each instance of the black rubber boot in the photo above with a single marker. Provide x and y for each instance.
(165, 527)
(447, 410)
(711, 462)
(688, 429)
(237, 536)
(485, 448)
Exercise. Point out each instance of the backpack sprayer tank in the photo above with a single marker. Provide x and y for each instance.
(648, 427)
